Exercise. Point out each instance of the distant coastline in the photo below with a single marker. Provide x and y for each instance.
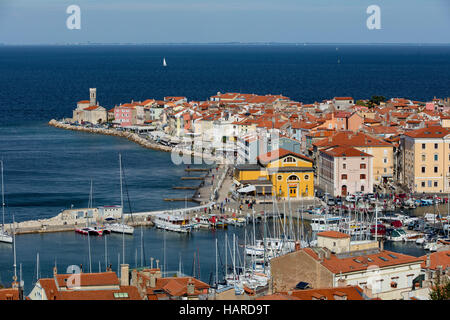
(229, 44)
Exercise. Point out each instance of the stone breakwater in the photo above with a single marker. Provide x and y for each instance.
(134, 138)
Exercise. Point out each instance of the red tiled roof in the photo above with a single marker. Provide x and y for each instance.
(9, 294)
(441, 258)
(333, 234)
(90, 279)
(349, 138)
(429, 132)
(280, 153)
(345, 151)
(362, 262)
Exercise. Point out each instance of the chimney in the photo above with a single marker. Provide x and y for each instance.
(124, 275)
(428, 261)
(321, 255)
(440, 270)
(152, 280)
(151, 263)
(190, 287)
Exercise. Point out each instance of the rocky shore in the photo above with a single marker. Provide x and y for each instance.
(134, 138)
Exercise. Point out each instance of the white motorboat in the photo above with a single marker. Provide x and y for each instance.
(120, 228)
(173, 222)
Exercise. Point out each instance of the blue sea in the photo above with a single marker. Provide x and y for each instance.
(49, 169)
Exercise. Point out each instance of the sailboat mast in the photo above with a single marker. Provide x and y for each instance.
(106, 253)
(226, 255)
(217, 266)
(3, 200)
(14, 249)
(121, 204)
(89, 246)
(234, 257)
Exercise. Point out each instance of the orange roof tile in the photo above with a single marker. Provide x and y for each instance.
(333, 234)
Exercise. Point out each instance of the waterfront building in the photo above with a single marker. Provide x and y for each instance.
(125, 114)
(341, 262)
(425, 160)
(290, 175)
(153, 286)
(89, 110)
(382, 152)
(85, 286)
(345, 170)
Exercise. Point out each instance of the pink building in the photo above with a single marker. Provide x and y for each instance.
(345, 170)
(125, 115)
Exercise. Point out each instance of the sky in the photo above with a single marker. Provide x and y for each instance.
(213, 21)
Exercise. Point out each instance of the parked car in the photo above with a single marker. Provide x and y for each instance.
(350, 198)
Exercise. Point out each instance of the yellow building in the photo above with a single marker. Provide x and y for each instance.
(280, 173)
(425, 162)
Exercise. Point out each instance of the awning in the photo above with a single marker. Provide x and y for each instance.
(247, 189)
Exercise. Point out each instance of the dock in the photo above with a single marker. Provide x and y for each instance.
(196, 170)
(192, 178)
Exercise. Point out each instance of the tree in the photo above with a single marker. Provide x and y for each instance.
(361, 103)
(441, 289)
(375, 100)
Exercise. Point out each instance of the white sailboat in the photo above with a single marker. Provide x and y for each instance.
(121, 227)
(4, 236)
(164, 62)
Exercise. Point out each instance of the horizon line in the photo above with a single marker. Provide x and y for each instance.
(223, 43)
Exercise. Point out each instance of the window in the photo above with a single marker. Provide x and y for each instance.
(344, 177)
(385, 160)
(423, 145)
(362, 166)
(435, 184)
(306, 177)
(385, 170)
(293, 178)
(362, 176)
(429, 183)
(435, 169)
(435, 145)
(280, 177)
(423, 184)
(289, 159)
(362, 188)
(436, 157)
(423, 157)
(423, 169)
(344, 166)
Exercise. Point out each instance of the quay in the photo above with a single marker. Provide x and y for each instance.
(192, 178)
